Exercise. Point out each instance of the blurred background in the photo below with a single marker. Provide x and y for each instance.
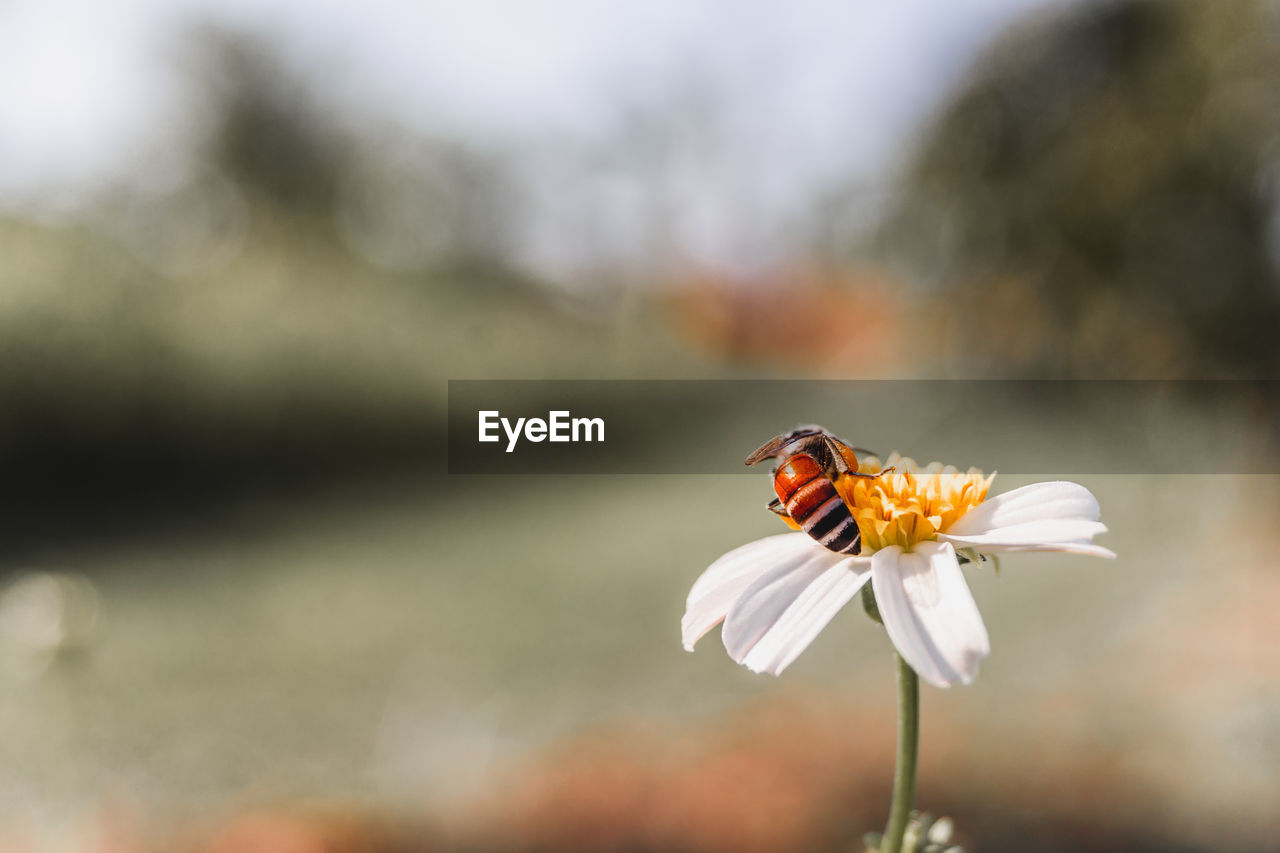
(243, 246)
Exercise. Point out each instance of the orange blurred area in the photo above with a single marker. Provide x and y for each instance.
(784, 320)
(801, 772)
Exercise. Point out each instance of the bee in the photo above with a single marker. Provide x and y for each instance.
(809, 461)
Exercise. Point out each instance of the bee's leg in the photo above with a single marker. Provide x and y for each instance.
(876, 476)
(832, 447)
(775, 506)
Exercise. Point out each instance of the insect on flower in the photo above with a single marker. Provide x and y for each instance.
(810, 461)
(776, 594)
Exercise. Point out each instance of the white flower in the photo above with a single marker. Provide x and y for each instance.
(776, 594)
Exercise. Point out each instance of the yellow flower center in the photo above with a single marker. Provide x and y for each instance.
(908, 504)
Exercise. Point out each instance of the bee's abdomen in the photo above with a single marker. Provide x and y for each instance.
(833, 527)
(812, 502)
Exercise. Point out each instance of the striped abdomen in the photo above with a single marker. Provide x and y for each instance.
(812, 502)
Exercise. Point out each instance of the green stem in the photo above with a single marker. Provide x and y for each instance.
(904, 773)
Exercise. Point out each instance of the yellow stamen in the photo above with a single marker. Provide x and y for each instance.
(907, 504)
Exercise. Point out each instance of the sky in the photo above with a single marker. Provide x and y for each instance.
(803, 90)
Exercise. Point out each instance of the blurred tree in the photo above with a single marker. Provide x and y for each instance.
(1101, 197)
(269, 134)
(401, 199)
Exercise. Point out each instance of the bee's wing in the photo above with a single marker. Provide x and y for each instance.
(771, 447)
(857, 451)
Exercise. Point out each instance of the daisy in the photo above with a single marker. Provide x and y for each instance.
(776, 594)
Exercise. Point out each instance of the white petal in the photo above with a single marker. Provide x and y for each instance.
(764, 602)
(1037, 502)
(728, 577)
(929, 612)
(807, 615)
(1057, 516)
(993, 541)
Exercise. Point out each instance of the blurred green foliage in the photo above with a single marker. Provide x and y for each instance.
(1101, 198)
